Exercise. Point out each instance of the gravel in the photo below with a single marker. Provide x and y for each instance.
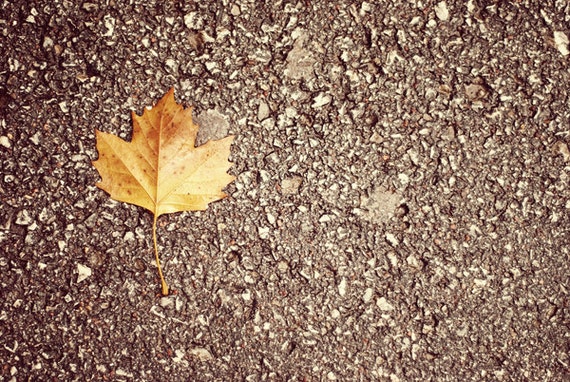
(400, 211)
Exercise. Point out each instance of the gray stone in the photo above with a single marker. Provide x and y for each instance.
(213, 126)
(290, 186)
(300, 60)
(380, 205)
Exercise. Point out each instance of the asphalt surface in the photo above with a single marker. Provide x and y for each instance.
(400, 212)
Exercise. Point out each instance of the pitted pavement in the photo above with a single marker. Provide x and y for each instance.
(400, 211)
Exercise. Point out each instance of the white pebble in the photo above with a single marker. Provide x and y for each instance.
(561, 42)
(383, 304)
(165, 302)
(392, 239)
(5, 141)
(23, 218)
(172, 65)
(262, 111)
(321, 100)
(235, 11)
(342, 287)
(63, 106)
(271, 219)
(368, 293)
(202, 354)
(83, 272)
(263, 232)
(109, 22)
(35, 138)
(441, 11)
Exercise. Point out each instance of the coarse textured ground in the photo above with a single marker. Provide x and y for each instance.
(400, 212)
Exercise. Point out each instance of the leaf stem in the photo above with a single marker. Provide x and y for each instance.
(164, 285)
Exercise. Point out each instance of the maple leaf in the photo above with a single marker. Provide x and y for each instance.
(161, 169)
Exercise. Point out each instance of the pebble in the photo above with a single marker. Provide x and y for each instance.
(376, 138)
(441, 11)
(263, 111)
(172, 65)
(123, 373)
(380, 205)
(561, 42)
(23, 218)
(383, 304)
(109, 22)
(413, 261)
(290, 186)
(393, 259)
(210, 66)
(390, 238)
(283, 266)
(248, 279)
(476, 92)
(300, 61)
(179, 356)
(193, 21)
(321, 100)
(263, 232)
(271, 218)
(235, 11)
(213, 125)
(480, 282)
(35, 138)
(342, 287)
(83, 272)
(5, 141)
(202, 354)
(562, 149)
(165, 302)
(368, 293)
(90, 7)
(48, 43)
(404, 179)
(335, 313)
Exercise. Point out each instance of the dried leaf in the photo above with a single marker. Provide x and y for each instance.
(161, 169)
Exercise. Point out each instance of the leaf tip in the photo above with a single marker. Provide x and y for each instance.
(170, 93)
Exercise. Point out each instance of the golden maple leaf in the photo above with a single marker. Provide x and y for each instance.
(161, 169)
